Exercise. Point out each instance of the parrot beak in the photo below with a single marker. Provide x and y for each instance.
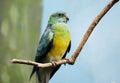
(67, 17)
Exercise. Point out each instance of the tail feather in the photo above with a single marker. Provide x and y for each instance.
(43, 75)
(33, 71)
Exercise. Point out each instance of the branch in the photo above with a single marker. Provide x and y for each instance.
(91, 28)
(41, 65)
(73, 58)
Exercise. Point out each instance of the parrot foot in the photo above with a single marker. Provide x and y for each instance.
(53, 63)
(68, 60)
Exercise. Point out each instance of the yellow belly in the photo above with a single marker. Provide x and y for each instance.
(60, 43)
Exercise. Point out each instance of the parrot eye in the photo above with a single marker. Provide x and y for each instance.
(60, 15)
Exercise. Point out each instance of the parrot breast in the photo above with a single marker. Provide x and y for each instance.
(60, 42)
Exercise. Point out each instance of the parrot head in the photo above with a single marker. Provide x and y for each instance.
(58, 17)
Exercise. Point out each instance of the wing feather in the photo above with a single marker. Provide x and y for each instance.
(44, 47)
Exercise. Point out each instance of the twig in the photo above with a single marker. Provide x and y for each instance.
(73, 58)
(28, 62)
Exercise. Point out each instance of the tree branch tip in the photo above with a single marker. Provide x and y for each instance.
(115, 1)
(13, 60)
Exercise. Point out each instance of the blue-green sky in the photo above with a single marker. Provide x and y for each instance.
(99, 61)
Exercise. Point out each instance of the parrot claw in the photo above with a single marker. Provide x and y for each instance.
(68, 60)
(53, 63)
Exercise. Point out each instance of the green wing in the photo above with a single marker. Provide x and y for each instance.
(45, 44)
(44, 47)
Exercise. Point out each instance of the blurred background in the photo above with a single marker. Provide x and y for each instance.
(20, 22)
(23, 21)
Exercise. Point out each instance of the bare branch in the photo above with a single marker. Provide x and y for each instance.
(91, 28)
(73, 58)
(41, 65)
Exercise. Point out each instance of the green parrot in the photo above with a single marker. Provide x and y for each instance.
(53, 46)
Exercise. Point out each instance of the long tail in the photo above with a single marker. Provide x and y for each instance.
(33, 71)
(43, 75)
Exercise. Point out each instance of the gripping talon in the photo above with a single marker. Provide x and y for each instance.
(53, 63)
(66, 60)
(69, 62)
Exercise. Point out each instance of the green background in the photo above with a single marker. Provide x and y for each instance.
(20, 22)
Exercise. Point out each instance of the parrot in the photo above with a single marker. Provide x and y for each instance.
(54, 44)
